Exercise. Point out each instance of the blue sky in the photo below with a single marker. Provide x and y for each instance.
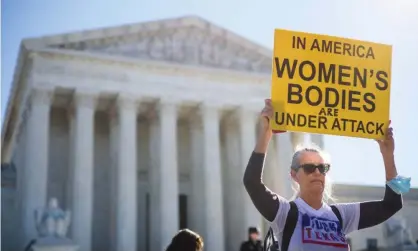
(355, 161)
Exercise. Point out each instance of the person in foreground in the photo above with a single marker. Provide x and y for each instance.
(308, 222)
(186, 240)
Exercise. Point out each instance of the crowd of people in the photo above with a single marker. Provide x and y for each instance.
(310, 221)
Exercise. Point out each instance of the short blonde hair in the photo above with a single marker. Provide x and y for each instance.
(299, 149)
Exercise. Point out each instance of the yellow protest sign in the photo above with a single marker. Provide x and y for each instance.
(330, 85)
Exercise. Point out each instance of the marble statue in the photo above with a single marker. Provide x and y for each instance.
(52, 221)
(52, 225)
(397, 233)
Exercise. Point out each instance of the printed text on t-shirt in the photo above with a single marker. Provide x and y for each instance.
(322, 231)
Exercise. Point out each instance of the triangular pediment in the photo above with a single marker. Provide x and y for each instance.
(187, 40)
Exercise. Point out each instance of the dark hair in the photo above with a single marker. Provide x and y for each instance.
(253, 230)
(186, 240)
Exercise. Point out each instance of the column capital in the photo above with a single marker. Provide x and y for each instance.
(85, 99)
(170, 103)
(250, 108)
(244, 112)
(40, 96)
(210, 106)
(209, 113)
(164, 106)
(318, 140)
(297, 138)
(127, 102)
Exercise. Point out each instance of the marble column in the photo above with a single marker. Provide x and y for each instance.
(126, 195)
(197, 175)
(113, 141)
(234, 193)
(35, 173)
(297, 139)
(82, 169)
(70, 171)
(318, 139)
(284, 148)
(154, 182)
(247, 128)
(169, 194)
(214, 219)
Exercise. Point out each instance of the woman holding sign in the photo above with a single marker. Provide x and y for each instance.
(308, 222)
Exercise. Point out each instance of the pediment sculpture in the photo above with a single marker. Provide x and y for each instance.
(184, 45)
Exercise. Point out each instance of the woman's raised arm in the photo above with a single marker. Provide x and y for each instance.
(372, 213)
(375, 212)
(266, 201)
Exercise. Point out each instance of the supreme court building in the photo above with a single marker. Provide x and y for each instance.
(139, 130)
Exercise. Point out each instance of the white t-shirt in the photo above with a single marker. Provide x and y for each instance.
(316, 230)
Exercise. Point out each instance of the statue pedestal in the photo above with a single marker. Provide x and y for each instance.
(54, 244)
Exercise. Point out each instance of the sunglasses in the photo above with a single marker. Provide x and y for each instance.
(310, 168)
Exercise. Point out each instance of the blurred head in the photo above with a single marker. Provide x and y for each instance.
(186, 240)
(253, 233)
(53, 203)
(309, 169)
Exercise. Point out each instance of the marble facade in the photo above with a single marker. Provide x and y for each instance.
(117, 123)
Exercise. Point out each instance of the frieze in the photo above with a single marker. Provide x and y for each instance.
(149, 67)
(185, 45)
(82, 73)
